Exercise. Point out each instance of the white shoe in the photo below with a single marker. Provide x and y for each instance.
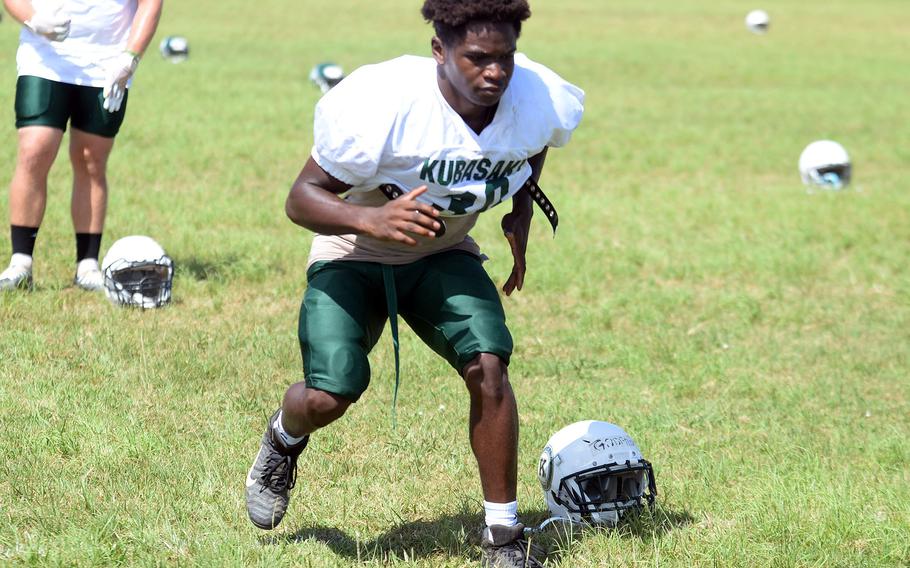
(18, 275)
(88, 275)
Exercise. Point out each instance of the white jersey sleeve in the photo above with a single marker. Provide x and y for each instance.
(556, 104)
(350, 130)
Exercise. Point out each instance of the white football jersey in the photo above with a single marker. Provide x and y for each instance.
(99, 30)
(388, 123)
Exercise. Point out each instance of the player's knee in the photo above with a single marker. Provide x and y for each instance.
(90, 161)
(486, 375)
(36, 159)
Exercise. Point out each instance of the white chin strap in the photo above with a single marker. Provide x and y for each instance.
(540, 528)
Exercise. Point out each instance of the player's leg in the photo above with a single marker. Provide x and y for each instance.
(38, 146)
(88, 205)
(341, 318)
(493, 430)
(304, 410)
(91, 142)
(494, 439)
(41, 116)
(456, 310)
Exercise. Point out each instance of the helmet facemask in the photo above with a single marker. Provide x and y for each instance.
(835, 176)
(145, 284)
(605, 492)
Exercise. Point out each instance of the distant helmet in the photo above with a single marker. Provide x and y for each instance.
(326, 75)
(175, 49)
(758, 21)
(138, 273)
(593, 472)
(825, 164)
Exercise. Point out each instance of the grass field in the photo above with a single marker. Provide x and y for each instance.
(753, 338)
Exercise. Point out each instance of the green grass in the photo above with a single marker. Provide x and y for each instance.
(752, 338)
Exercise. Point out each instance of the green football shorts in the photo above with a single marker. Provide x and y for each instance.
(42, 102)
(447, 299)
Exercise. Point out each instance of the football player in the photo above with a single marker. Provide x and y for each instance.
(75, 62)
(407, 154)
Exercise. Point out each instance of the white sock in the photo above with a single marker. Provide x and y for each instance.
(282, 433)
(501, 513)
(87, 265)
(23, 260)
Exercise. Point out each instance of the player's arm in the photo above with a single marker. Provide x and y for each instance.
(145, 22)
(50, 22)
(516, 227)
(121, 69)
(522, 204)
(21, 10)
(313, 203)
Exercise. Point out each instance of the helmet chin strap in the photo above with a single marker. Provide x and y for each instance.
(540, 528)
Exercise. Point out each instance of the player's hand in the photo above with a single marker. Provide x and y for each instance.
(403, 217)
(50, 23)
(515, 227)
(118, 75)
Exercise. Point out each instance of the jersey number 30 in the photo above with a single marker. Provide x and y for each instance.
(495, 191)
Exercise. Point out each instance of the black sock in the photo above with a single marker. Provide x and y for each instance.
(23, 239)
(88, 245)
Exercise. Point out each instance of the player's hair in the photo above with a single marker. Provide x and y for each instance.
(451, 17)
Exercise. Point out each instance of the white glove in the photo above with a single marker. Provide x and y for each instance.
(119, 74)
(50, 23)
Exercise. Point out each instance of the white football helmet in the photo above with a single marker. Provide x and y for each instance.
(175, 49)
(326, 75)
(758, 21)
(138, 273)
(825, 164)
(593, 472)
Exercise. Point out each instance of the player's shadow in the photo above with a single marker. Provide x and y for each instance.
(458, 536)
(454, 535)
(645, 525)
(204, 268)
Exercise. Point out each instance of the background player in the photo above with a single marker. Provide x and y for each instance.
(75, 62)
